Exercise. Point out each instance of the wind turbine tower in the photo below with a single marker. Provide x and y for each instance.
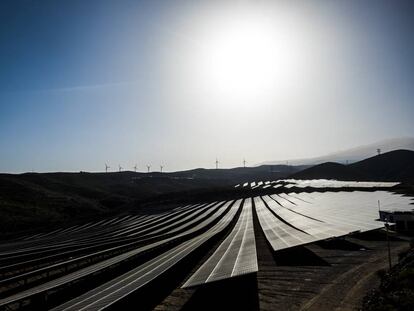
(106, 168)
(244, 163)
(379, 151)
(120, 167)
(217, 163)
(161, 167)
(148, 168)
(135, 168)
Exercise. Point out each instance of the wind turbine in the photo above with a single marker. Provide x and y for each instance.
(106, 168)
(161, 167)
(135, 168)
(244, 163)
(379, 151)
(120, 167)
(148, 168)
(217, 163)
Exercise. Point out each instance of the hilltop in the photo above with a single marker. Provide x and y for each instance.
(395, 165)
(357, 153)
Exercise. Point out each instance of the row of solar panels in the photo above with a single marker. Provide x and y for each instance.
(315, 183)
(144, 231)
(129, 227)
(286, 220)
(202, 216)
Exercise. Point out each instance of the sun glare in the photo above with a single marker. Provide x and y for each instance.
(247, 57)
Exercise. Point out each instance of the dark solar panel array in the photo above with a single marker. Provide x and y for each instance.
(39, 264)
(110, 292)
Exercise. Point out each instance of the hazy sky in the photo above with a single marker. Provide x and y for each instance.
(183, 82)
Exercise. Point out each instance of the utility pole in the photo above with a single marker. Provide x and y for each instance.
(387, 235)
(217, 163)
(388, 243)
(244, 163)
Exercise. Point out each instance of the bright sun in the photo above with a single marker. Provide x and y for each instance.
(247, 56)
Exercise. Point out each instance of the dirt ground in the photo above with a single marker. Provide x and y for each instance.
(333, 275)
(341, 285)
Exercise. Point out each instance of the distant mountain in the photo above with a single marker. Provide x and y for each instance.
(241, 174)
(395, 165)
(356, 154)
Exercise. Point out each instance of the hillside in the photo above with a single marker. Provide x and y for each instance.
(40, 199)
(356, 154)
(37, 200)
(330, 170)
(396, 291)
(395, 165)
(241, 174)
(34, 200)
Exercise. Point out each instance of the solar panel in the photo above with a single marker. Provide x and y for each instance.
(114, 290)
(331, 183)
(287, 220)
(317, 228)
(279, 234)
(235, 256)
(108, 262)
(356, 210)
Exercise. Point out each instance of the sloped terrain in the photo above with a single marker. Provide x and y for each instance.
(38, 200)
(395, 165)
(330, 170)
(396, 291)
(35, 200)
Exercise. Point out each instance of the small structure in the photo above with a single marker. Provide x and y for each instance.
(403, 220)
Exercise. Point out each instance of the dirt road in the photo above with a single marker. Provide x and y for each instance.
(347, 290)
(333, 275)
